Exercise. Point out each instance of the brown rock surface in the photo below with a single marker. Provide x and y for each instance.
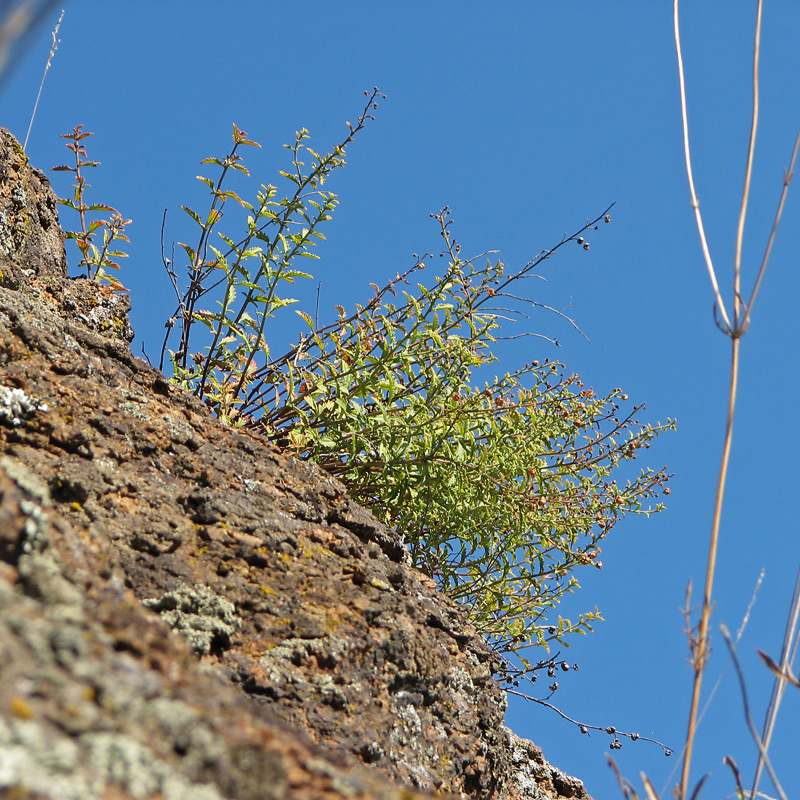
(187, 612)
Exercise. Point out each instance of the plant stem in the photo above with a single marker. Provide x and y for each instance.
(779, 685)
(688, 157)
(53, 48)
(700, 649)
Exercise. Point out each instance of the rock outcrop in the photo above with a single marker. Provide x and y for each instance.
(185, 611)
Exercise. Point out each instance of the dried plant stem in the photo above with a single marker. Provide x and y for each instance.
(748, 174)
(788, 652)
(700, 647)
(739, 633)
(688, 156)
(787, 179)
(761, 745)
(53, 48)
(735, 329)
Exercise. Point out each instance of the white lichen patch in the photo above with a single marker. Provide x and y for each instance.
(138, 410)
(16, 406)
(198, 614)
(36, 539)
(6, 239)
(33, 761)
(125, 762)
(250, 484)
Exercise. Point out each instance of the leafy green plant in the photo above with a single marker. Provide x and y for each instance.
(95, 260)
(501, 491)
(278, 232)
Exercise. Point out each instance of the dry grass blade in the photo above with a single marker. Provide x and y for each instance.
(648, 787)
(696, 792)
(748, 718)
(625, 787)
(728, 761)
(784, 674)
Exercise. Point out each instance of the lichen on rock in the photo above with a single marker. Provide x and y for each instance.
(206, 620)
(186, 611)
(31, 240)
(16, 406)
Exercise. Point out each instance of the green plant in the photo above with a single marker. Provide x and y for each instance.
(502, 491)
(95, 260)
(278, 231)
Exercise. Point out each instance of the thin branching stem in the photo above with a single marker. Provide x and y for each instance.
(585, 727)
(787, 179)
(748, 175)
(734, 330)
(688, 156)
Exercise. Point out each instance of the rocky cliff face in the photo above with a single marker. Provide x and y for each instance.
(185, 612)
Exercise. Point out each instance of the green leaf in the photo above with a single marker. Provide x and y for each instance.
(193, 215)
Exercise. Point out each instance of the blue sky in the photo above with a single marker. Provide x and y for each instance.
(526, 119)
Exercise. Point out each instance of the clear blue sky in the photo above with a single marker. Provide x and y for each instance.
(525, 118)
